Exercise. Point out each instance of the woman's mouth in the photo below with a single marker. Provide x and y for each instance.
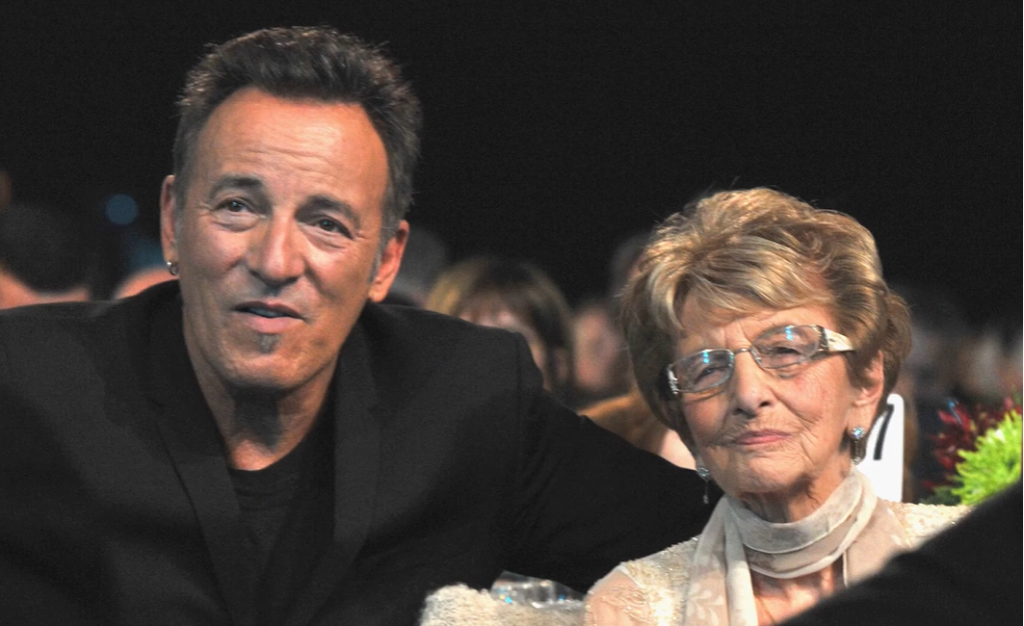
(760, 438)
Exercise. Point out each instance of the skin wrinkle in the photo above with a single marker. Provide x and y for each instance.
(256, 185)
(749, 255)
(285, 212)
(808, 410)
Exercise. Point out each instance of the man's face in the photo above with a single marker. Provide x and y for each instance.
(277, 239)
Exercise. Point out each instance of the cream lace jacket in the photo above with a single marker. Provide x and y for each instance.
(649, 591)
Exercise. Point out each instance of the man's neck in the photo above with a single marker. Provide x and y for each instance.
(259, 429)
(254, 447)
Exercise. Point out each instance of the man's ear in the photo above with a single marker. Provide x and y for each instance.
(390, 261)
(865, 403)
(169, 221)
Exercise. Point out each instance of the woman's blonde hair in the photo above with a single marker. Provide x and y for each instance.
(482, 284)
(738, 251)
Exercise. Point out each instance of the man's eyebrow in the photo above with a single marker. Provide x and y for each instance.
(326, 203)
(244, 183)
(315, 202)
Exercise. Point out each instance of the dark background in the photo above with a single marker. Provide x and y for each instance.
(554, 129)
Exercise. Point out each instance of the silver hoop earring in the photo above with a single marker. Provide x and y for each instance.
(858, 444)
(172, 267)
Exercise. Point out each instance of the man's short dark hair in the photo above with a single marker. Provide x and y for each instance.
(44, 247)
(317, 63)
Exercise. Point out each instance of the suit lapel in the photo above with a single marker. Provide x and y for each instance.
(192, 440)
(356, 463)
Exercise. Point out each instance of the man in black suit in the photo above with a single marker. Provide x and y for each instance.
(265, 444)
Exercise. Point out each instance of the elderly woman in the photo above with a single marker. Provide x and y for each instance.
(762, 331)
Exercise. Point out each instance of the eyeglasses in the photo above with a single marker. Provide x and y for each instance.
(774, 349)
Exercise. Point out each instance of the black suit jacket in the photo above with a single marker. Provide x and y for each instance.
(450, 464)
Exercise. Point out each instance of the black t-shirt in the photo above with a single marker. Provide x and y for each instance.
(287, 516)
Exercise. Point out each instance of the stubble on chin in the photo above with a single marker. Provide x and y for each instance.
(267, 343)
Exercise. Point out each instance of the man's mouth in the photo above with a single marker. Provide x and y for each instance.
(268, 310)
(263, 312)
(268, 318)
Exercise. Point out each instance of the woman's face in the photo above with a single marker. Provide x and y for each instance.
(774, 438)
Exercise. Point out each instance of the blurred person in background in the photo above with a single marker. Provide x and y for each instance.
(426, 256)
(989, 368)
(601, 363)
(630, 417)
(600, 359)
(44, 256)
(605, 390)
(517, 296)
(938, 329)
(928, 381)
(622, 266)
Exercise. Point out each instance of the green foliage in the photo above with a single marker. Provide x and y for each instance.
(996, 463)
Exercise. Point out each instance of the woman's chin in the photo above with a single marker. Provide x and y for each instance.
(761, 482)
(759, 475)
(761, 489)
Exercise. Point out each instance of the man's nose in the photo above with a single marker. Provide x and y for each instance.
(276, 253)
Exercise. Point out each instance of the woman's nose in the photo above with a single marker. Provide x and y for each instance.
(751, 385)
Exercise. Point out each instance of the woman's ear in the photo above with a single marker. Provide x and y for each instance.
(865, 404)
(677, 422)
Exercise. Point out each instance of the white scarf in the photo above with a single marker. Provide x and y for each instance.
(851, 522)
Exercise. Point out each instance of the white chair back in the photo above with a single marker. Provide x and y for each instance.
(883, 461)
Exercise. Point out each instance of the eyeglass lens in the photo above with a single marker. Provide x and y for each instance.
(774, 349)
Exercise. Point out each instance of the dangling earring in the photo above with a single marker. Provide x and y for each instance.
(673, 383)
(704, 473)
(858, 445)
(172, 267)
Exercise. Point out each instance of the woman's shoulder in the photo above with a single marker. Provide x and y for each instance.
(646, 591)
(668, 568)
(922, 521)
